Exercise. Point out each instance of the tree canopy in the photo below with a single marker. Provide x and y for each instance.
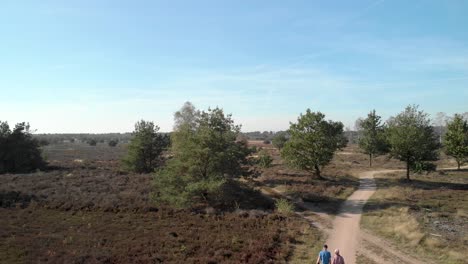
(372, 135)
(145, 148)
(19, 151)
(313, 142)
(206, 155)
(456, 139)
(186, 116)
(411, 138)
(279, 140)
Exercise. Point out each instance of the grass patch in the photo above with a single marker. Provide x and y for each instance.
(426, 216)
(308, 242)
(284, 206)
(361, 259)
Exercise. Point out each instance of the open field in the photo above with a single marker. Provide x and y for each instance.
(37, 235)
(326, 195)
(86, 210)
(426, 217)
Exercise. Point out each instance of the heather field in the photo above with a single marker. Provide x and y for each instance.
(85, 209)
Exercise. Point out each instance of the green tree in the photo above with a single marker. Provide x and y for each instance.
(313, 142)
(92, 142)
(456, 139)
(411, 138)
(113, 142)
(280, 139)
(19, 151)
(145, 148)
(372, 139)
(206, 156)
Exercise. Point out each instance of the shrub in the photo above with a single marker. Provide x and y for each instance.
(253, 149)
(284, 206)
(279, 140)
(43, 142)
(266, 141)
(19, 151)
(264, 160)
(420, 167)
(92, 142)
(113, 142)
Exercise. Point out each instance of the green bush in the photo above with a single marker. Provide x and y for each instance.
(264, 160)
(279, 140)
(420, 167)
(113, 142)
(284, 206)
(92, 142)
(19, 151)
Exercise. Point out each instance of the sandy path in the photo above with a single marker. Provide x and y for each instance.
(345, 233)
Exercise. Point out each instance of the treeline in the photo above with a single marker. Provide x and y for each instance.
(206, 152)
(45, 139)
(411, 137)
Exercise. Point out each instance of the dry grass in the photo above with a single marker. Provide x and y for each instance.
(362, 259)
(325, 194)
(427, 215)
(308, 244)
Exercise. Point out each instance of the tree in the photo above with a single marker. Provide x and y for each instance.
(456, 139)
(92, 142)
(19, 151)
(43, 142)
(440, 121)
(411, 138)
(465, 116)
(186, 116)
(313, 142)
(206, 156)
(145, 148)
(279, 140)
(372, 140)
(113, 142)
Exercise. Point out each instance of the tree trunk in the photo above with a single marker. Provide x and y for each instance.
(317, 171)
(407, 170)
(458, 164)
(370, 160)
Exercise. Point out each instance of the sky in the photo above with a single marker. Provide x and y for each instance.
(99, 66)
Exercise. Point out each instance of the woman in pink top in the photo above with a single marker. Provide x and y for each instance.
(338, 259)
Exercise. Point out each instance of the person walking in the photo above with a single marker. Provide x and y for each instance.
(324, 256)
(338, 259)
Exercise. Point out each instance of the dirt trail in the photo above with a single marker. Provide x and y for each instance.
(347, 236)
(345, 233)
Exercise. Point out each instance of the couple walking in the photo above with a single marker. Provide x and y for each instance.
(325, 257)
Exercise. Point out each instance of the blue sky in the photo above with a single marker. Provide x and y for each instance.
(99, 66)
